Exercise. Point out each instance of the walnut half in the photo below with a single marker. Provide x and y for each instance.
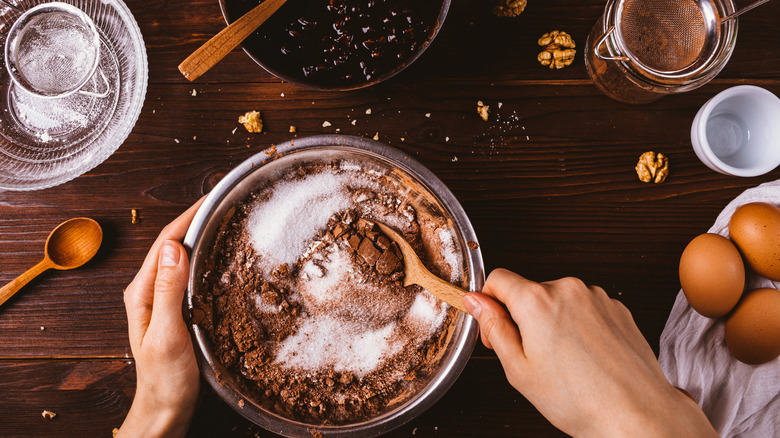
(652, 167)
(251, 121)
(509, 8)
(558, 49)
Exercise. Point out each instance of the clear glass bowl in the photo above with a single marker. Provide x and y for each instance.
(48, 141)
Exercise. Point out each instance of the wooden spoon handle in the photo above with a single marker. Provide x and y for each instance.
(210, 53)
(449, 293)
(13, 287)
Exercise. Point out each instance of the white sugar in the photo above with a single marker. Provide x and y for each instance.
(282, 227)
(323, 279)
(426, 314)
(325, 342)
(264, 307)
(451, 256)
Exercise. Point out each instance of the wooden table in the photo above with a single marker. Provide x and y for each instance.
(548, 183)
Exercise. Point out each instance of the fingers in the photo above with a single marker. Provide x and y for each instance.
(176, 230)
(170, 284)
(139, 295)
(497, 329)
(138, 305)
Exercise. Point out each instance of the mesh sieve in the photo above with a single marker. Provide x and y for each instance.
(669, 36)
(52, 51)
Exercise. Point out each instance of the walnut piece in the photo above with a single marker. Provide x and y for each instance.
(652, 167)
(133, 216)
(509, 8)
(48, 414)
(558, 49)
(251, 121)
(483, 110)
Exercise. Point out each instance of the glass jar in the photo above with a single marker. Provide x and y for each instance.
(624, 75)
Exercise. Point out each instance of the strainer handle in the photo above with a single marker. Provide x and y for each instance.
(97, 93)
(600, 42)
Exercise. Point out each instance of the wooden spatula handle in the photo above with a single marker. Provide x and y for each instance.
(451, 294)
(210, 53)
(13, 287)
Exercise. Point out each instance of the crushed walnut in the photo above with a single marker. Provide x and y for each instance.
(48, 414)
(133, 216)
(652, 167)
(558, 49)
(251, 121)
(483, 110)
(509, 8)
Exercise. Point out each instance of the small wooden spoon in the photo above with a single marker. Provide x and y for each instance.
(213, 50)
(416, 273)
(70, 245)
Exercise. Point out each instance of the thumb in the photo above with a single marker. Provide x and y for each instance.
(497, 329)
(170, 284)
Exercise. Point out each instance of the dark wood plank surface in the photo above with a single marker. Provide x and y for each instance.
(548, 183)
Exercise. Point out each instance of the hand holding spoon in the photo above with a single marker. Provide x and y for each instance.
(416, 273)
(70, 245)
(213, 50)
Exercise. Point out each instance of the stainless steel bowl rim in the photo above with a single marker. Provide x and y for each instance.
(439, 23)
(447, 374)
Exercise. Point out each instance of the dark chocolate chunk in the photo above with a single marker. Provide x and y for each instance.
(368, 252)
(387, 263)
(354, 242)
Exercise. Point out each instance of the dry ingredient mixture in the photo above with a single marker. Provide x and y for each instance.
(307, 298)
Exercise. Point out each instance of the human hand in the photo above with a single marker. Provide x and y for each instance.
(578, 356)
(168, 380)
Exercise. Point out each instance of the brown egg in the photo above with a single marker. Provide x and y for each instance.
(753, 330)
(712, 275)
(755, 229)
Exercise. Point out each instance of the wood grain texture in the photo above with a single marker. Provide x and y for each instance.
(548, 183)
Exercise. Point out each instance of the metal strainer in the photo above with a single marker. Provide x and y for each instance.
(53, 50)
(670, 38)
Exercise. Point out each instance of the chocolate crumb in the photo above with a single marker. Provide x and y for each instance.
(472, 245)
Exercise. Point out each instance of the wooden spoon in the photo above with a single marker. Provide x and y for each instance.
(416, 273)
(210, 53)
(70, 245)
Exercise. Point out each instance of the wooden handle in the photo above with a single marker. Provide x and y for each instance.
(447, 292)
(13, 287)
(210, 53)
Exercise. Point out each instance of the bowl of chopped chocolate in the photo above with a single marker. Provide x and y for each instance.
(340, 44)
(297, 304)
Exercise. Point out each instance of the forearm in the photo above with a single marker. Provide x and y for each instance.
(665, 413)
(149, 419)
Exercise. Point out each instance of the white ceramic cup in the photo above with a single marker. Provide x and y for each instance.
(737, 132)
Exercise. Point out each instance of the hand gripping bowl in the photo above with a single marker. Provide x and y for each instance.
(426, 191)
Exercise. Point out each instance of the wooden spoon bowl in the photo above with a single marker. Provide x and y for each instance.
(415, 272)
(69, 246)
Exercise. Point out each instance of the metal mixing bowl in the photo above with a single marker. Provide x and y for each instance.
(425, 190)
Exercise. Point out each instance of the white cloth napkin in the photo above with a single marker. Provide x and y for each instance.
(740, 400)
